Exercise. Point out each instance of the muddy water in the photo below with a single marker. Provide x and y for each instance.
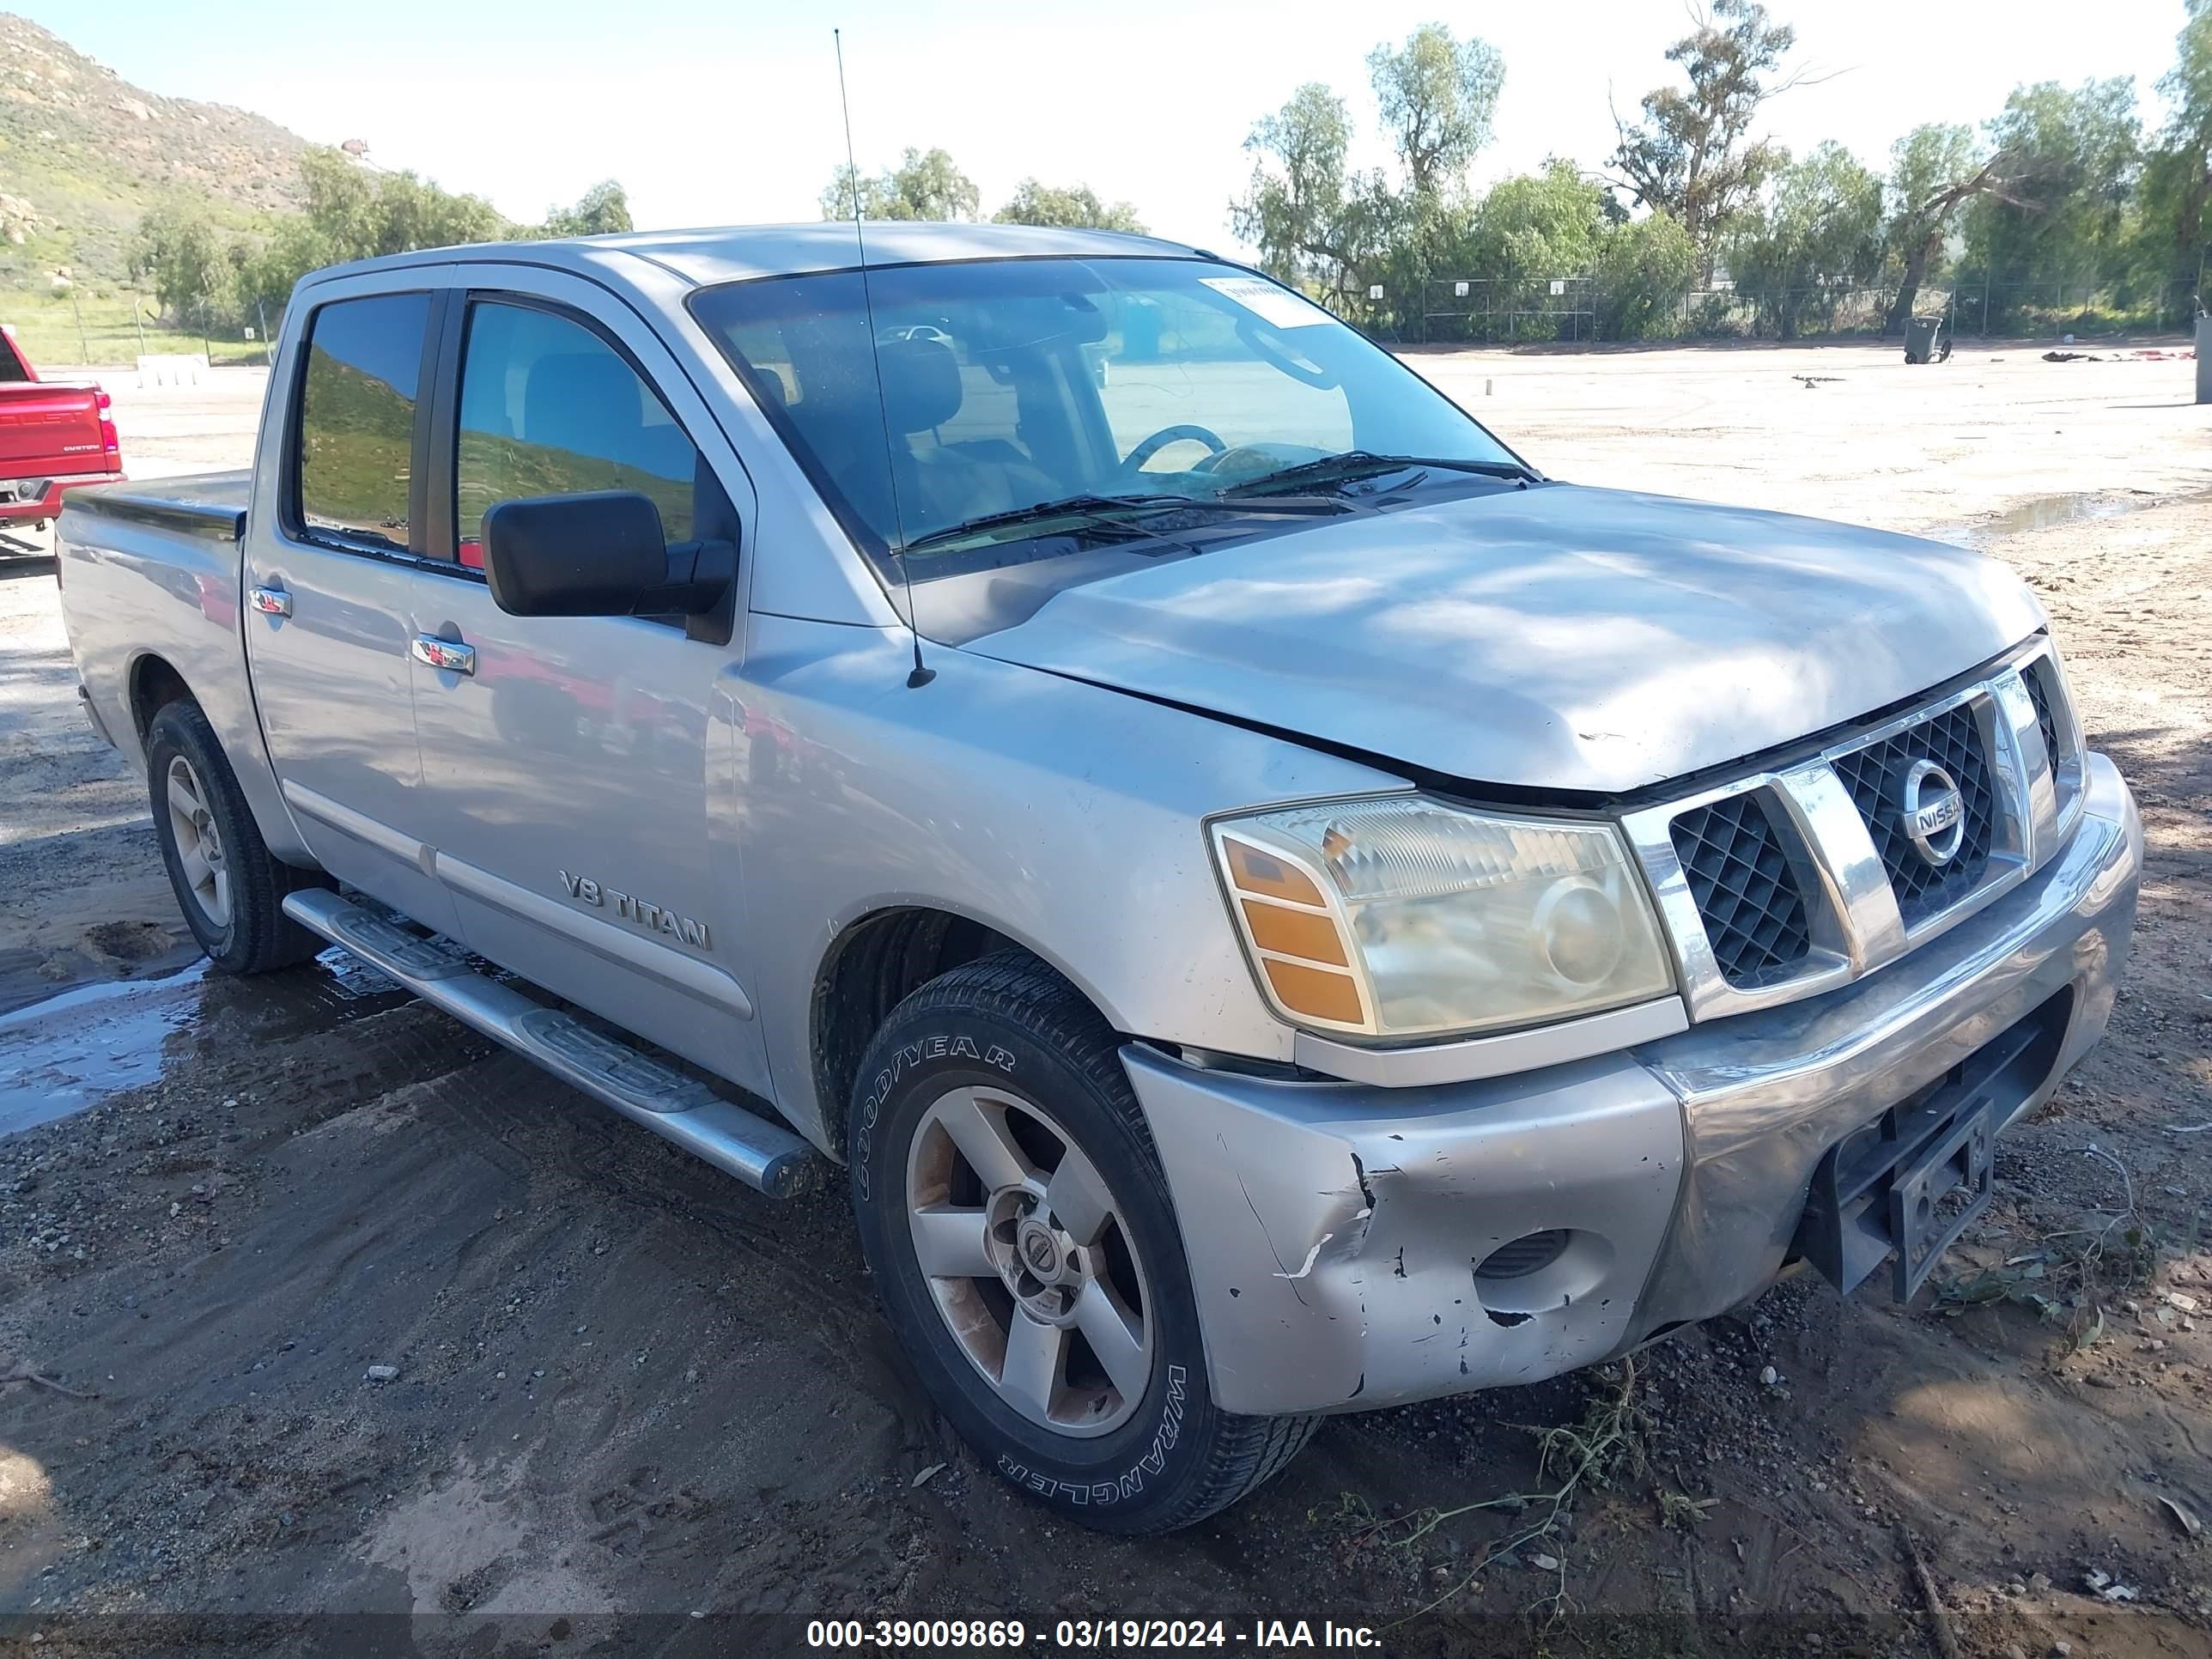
(2048, 513)
(63, 1055)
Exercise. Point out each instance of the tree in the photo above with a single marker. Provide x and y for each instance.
(1310, 220)
(2177, 179)
(1438, 94)
(1934, 172)
(2073, 158)
(1521, 231)
(1074, 206)
(1821, 232)
(601, 210)
(924, 186)
(1643, 270)
(355, 213)
(406, 213)
(189, 262)
(1692, 156)
(1534, 226)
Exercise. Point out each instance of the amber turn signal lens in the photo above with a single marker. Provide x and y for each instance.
(1314, 992)
(1254, 871)
(1302, 933)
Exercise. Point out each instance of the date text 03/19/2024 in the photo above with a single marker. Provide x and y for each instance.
(1104, 1635)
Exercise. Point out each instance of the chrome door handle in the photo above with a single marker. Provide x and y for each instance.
(271, 601)
(451, 655)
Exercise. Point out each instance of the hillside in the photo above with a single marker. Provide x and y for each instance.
(83, 152)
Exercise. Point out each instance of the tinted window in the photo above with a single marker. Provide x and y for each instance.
(548, 408)
(1166, 354)
(1008, 383)
(358, 417)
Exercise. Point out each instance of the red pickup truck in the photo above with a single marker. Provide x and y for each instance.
(52, 437)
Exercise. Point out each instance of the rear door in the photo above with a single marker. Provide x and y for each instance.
(577, 769)
(328, 617)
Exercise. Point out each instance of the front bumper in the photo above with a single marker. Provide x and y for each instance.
(1334, 1231)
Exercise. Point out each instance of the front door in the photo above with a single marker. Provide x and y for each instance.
(569, 759)
(329, 614)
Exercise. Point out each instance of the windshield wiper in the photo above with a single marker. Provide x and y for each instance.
(1354, 463)
(1088, 505)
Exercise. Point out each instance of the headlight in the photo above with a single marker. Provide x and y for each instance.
(1398, 916)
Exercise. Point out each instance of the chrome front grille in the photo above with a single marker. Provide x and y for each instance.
(1747, 893)
(1847, 853)
(2058, 727)
(1875, 775)
(2038, 692)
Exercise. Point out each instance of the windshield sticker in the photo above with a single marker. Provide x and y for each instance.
(1269, 303)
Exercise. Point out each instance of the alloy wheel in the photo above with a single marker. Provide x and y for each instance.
(199, 843)
(1030, 1262)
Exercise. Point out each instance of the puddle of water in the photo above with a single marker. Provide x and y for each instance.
(60, 1055)
(70, 1051)
(2043, 513)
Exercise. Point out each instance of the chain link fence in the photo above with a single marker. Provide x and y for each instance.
(96, 327)
(1580, 310)
(1469, 309)
(109, 330)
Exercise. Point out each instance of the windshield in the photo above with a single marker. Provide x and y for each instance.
(1087, 385)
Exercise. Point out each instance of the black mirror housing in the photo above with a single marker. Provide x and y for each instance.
(601, 554)
(592, 555)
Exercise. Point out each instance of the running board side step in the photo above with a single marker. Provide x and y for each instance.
(764, 1155)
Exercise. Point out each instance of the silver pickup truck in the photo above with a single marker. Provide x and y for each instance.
(1278, 907)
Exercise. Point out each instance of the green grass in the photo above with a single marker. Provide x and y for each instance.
(47, 327)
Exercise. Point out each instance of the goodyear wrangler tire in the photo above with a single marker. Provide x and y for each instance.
(1025, 1249)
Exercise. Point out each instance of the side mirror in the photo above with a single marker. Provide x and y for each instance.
(600, 554)
(573, 555)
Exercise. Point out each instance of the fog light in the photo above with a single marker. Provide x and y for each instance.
(1531, 1252)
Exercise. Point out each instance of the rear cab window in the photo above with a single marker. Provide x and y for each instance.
(550, 408)
(353, 468)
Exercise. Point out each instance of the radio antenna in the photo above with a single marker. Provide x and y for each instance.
(920, 675)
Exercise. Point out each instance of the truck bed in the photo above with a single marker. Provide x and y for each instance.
(211, 504)
(54, 436)
(148, 573)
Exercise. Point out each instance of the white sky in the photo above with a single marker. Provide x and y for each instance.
(726, 112)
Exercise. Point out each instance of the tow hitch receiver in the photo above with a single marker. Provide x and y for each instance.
(1909, 1183)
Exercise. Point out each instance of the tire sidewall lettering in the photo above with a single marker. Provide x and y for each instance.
(945, 1046)
(1159, 1460)
(1130, 1481)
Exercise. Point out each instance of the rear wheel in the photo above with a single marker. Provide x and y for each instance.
(229, 885)
(1026, 1250)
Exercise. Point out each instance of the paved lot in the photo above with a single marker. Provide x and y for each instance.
(626, 1387)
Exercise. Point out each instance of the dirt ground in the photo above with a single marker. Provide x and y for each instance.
(629, 1392)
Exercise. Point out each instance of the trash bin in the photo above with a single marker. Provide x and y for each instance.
(1924, 342)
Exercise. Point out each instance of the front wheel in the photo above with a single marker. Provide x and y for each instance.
(1025, 1247)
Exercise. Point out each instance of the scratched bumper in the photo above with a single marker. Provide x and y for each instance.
(1335, 1230)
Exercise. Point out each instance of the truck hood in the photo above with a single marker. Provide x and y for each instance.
(1554, 638)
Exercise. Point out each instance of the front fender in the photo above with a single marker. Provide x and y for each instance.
(1064, 816)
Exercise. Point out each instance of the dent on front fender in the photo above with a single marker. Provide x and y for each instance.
(1334, 1233)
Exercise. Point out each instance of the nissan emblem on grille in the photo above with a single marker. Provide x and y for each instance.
(1934, 813)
